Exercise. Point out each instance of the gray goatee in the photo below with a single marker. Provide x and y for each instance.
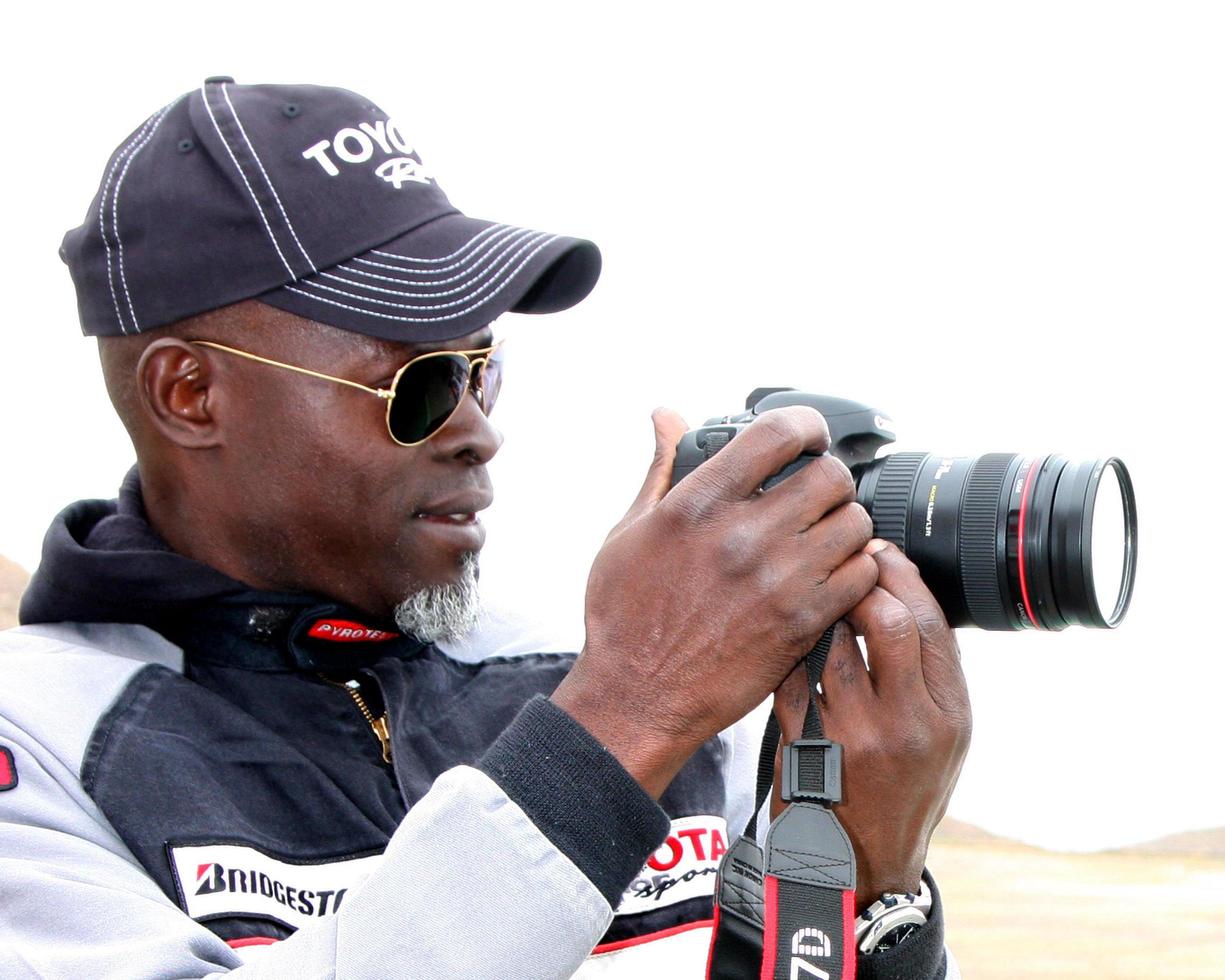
(443, 612)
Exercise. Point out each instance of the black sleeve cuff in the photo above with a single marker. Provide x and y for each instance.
(920, 957)
(578, 795)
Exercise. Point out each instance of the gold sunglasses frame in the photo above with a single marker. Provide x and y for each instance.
(479, 357)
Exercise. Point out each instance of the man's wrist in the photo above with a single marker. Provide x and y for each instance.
(869, 890)
(646, 752)
(877, 877)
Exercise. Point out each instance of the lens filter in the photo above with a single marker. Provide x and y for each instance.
(1093, 546)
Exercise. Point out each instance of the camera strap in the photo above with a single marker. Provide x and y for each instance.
(788, 912)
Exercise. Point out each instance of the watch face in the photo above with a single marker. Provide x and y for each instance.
(897, 935)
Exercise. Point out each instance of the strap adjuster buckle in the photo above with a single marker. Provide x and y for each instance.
(812, 771)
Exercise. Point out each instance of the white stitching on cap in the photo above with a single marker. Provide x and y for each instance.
(438, 306)
(467, 265)
(225, 90)
(504, 230)
(106, 185)
(428, 319)
(472, 272)
(442, 258)
(263, 217)
(123, 278)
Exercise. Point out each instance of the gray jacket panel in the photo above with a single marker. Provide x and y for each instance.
(468, 886)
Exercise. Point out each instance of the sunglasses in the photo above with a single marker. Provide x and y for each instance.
(424, 393)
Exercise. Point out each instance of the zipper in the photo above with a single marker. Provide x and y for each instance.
(377, 725)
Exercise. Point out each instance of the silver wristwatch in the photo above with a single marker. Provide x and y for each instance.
(892, 919)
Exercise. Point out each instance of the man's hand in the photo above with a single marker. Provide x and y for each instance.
(703, 599)
(903, 722)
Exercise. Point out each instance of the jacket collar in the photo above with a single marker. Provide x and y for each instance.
(104, 563)
(271, 632)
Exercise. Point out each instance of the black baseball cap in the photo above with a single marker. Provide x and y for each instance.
(313, 200)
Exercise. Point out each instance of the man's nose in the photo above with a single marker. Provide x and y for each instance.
(468, 434)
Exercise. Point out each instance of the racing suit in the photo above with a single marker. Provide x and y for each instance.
(208, 779)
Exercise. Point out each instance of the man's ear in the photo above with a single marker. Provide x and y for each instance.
(175, 384)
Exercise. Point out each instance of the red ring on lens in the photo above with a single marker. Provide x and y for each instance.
(1029, 479)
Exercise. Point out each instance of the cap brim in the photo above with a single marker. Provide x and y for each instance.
(447, 278)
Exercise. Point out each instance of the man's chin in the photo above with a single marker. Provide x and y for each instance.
(443, 612)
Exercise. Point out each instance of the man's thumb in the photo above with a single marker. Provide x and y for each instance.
(669, 427)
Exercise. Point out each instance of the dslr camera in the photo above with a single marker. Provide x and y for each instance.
(1003, 541)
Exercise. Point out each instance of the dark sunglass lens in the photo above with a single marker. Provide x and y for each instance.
(428, 391)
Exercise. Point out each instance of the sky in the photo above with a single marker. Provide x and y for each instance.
(1001, 224)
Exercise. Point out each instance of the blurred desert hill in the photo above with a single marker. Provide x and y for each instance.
(1190, 843)
(13, 579)
(1015, 912)
(1193, 843)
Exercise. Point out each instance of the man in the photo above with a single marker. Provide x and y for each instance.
(236, 741)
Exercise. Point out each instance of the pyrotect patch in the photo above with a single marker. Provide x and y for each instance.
(8, 770)
(344, 631)
(684, 866)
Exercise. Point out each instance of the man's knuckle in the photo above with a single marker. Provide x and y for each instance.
(797, 629)
(960, 722)
(739, 548)
(863, 522)
(782, 426)
(831, 480)
(863, 575)
(848, 583)
(872, 750)
(771, 580)
(790, 615)
(849, 531)
(697, 505)
(904, 564)
(932, 626)
(955, 706)
(840, 477)
(965, 728)
(894, 623)
(915, 743)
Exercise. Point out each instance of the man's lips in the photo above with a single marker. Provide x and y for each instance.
(455, 510)
(456, 529)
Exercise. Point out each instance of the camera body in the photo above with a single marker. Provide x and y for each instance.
(1004, 541)
(856, 432)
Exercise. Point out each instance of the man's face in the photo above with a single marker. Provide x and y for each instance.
(325, 501)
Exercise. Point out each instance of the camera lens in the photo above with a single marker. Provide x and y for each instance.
(1008, 542)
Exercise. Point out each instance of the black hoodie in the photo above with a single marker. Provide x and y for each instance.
(101, 555)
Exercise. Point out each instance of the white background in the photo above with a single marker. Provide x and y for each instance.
(1003, 224)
